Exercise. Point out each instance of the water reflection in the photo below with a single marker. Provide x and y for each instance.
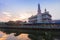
(4, 36)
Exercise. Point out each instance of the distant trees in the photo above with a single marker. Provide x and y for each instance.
(10, 23)
(15, 22)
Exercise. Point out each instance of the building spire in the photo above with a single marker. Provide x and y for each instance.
(45, 10)
(39, 10)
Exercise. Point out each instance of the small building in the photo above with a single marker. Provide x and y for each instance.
(56, 21)
(40, 17)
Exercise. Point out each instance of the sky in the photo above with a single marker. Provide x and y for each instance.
(23, 9)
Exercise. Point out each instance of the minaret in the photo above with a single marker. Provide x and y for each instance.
(45, 10)
(39, 15)
(39, 10)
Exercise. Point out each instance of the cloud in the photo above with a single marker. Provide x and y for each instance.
(22, 6)
(7, 14)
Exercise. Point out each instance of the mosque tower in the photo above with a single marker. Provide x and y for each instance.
(39, 10)
(39, 14)
(44, 17)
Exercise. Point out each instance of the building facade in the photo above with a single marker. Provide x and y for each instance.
(40, 17)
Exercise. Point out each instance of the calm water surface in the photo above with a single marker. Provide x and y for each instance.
(4, 36)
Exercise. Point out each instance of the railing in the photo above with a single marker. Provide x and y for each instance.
(40, 25)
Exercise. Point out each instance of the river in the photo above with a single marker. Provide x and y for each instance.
(4, 36)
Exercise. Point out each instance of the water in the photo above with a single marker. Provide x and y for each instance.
(4, 36)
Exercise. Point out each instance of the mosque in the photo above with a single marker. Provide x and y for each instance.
(44, 17)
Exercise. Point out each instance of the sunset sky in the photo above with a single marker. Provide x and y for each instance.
(22, 9)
